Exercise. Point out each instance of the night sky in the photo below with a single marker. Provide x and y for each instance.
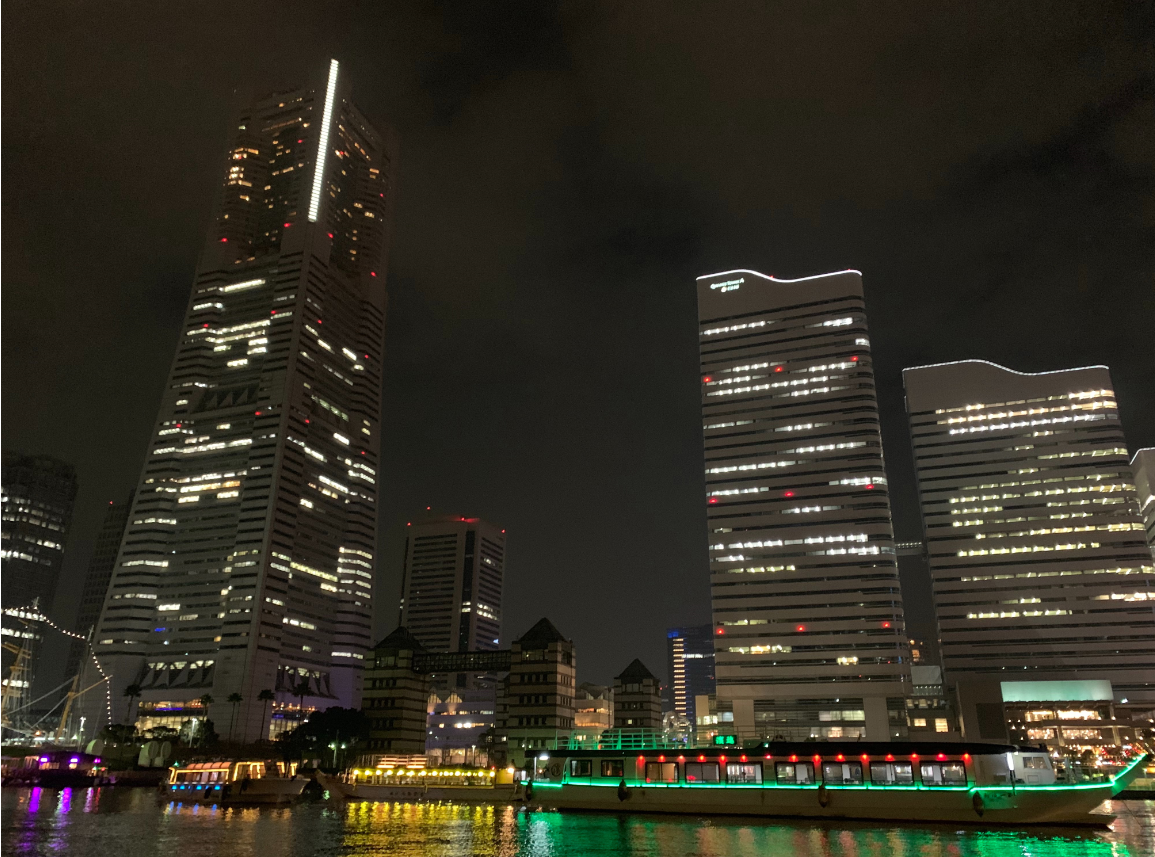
(566, 172)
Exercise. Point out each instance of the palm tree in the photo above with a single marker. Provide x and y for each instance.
(132, 692)
(205, 702)
(235, 699)
(266, 696)
(301, 690)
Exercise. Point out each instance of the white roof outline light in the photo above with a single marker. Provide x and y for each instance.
(776, 279)
(1004, 368)
(323, 143)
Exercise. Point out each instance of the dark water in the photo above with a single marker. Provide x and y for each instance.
(135, 823)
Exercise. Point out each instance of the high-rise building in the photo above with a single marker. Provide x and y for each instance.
(38, 494)
(690, 660)
(806, 600)
(249, 556)
(1038, 561)
(96, 580)
(452, 584)
(1143, 466)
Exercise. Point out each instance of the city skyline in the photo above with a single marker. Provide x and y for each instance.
(475, 365)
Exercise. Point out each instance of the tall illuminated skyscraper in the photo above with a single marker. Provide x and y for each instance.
(1037, 554)
(251, 546)
(808, 616)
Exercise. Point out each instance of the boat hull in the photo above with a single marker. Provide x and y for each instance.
(975, 805)
(267, 791)
(416, 793)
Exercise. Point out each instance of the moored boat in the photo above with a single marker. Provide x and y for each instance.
(957, 783)
(466, 785)
(234, 782)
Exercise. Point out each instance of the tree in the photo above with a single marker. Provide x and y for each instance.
(132, 692)
(301, 690)
(234, 699)
(335, 729)
(206, 700)
(266, 696)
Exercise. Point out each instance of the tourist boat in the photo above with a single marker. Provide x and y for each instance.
(234, 782)
(56, 769)
(957, 783)
(467, 785)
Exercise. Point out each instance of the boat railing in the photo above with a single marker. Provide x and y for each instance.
(621, 739)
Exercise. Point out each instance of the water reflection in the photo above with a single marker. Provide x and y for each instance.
(136, 822)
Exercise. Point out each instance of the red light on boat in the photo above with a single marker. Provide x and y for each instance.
(701, 758)
(914, 757)
(722, 759)
(768, 756)
(661, 758)
(966, 757)
(793, 758)
(742, 758)
(681, 758)
(889, 757)
(941, 757)
(865, 758)
(816, 758)
(840, 758)
(641, 758)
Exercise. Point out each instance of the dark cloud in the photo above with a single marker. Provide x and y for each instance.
(566, 171)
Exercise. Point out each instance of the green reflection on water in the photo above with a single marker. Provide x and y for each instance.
(136, 823)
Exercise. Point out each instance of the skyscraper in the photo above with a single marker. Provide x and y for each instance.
(690, 660)
(96, 580)
(1143, 466)
(1037, 555)
(38, 493)
(452, 584)
(251, 546)
(807, 608)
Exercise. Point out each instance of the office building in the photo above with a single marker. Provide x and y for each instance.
(1039, 565)
(1143, 467)
(637, 699)
(593, 711)
(38, 494)
(690, 661)
(96, 581)
(808, 617)
(452, 585)
(536, 705)
(249, 556)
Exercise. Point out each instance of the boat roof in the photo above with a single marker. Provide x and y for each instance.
(826, 749)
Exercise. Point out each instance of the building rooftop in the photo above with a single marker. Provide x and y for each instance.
(637, 671)
(543, 633)
(400, 638)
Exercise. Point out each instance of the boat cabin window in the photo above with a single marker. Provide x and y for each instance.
(661, 772)
(740, 773)
(613, 767)
(842, 773)
(795, 772)
(1038, 762)
(581, 767)
(943, 773)
(702, 772)
(891, 773)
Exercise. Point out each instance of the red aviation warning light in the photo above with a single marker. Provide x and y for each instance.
(712, 500)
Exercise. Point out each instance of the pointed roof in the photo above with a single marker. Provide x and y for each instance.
(541, 634)
(401, 638)
(636, 671)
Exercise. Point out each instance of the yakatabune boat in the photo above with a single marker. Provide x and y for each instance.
(234, 782)
(957, 783)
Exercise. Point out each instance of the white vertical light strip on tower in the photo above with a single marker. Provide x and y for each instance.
(323, 143)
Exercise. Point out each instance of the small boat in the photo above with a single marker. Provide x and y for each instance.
(229, 783)
(56, 769)
(871, 781)
(465, 785)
